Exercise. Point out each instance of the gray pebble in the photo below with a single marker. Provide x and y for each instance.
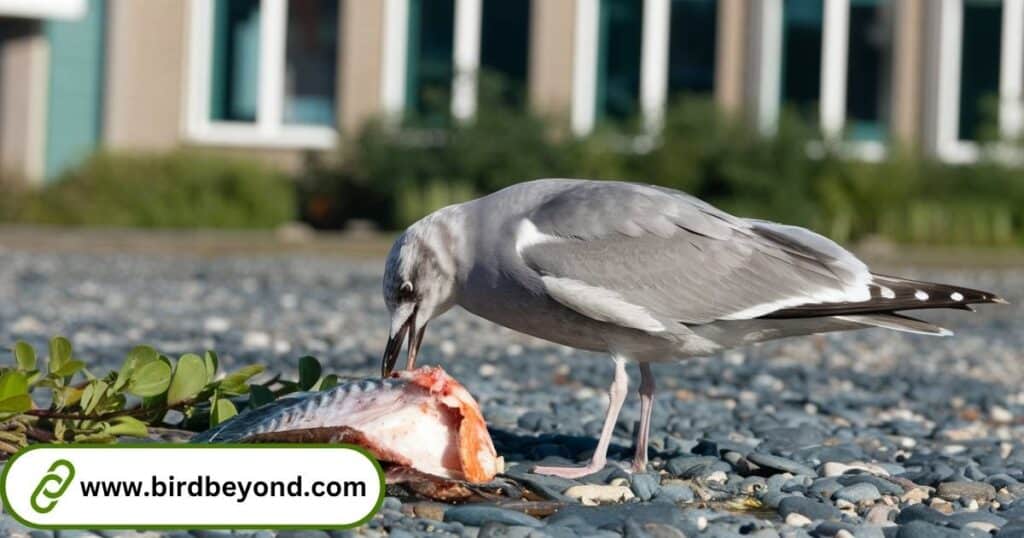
(779, 463)
(646, 485)
(477, 515)
(807, 507)
(676, 493)
(858, 493)
(921, 529)
(978, 491)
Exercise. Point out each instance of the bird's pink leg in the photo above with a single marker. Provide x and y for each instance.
(646, 406)
(616, 395)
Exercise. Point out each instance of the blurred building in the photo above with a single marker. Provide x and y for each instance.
(275, 78)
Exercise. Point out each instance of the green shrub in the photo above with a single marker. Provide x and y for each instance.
(395, 176)
(173, 190)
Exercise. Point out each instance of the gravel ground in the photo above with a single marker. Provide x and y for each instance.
(861, 434)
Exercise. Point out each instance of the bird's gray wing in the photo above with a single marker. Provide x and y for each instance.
(645, 257)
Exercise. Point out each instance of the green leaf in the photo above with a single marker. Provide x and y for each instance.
(127, 426)
(189, 378)
(235, 383)
(25, 355)
(221, 410)
(259, 396)
(60, 353)
(151, 379)
(309, 372)
(13, 383)
(140, 356)
(93, 395)
(211, 361)
(69, 368)
(16, 404)
(327, 383)
(66, 396)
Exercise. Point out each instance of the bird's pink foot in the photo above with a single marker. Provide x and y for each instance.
(571, 473)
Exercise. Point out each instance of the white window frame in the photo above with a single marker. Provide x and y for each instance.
(654, 64)
(945, 108)
(465, 58)
(835, 42)
(269, 129)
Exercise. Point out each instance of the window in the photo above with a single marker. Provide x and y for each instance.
(631, 55)
(835, 68)
(692, 39)
(311, 57)
(869, 64)
(263, 72)
(429, 64)
(618, 70)
(978, 60)
(505, 48)
(234, 71)
(803, 23)
(979, 66)
(436, 51)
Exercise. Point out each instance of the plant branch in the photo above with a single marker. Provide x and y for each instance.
(133, 412)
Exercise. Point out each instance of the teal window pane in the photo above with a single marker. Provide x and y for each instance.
(505, 50)
(801, 54)
(979, 66)
(869, 62)
(692, 39)
(311, 60)
(235, 66)
(621, 31)
(429, 61)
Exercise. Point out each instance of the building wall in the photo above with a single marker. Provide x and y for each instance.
(145, 74)
(24, 57)
(731, 68)
(908, 70)
(361, 63)
(551, 56)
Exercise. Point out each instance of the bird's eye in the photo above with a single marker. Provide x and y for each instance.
(405, 288)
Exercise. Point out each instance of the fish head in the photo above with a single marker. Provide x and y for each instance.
(419, 285)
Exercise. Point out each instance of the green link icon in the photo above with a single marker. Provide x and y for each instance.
(61, 484)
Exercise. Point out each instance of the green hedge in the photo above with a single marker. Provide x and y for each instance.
(395, 176)
(170, 190)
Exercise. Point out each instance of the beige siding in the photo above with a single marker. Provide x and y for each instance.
(24, 73)
(908, 62)
(146, 51)
(730, 65)
(551, 56)
(361, 61)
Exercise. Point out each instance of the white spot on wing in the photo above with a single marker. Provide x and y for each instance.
(920, 295)
(600, 303)
(527, 235)
(956, 296)
(887, 293)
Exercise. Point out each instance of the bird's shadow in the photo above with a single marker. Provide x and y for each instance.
(553, 447)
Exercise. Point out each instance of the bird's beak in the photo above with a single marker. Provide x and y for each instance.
(394, 347)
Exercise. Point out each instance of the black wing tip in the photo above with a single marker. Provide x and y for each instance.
(894, 294)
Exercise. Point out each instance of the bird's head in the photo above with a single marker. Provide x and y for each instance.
(419, 285)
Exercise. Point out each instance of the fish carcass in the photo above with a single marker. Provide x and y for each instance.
(421, 419)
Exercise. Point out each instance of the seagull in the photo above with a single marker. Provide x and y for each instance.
(643, 273)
